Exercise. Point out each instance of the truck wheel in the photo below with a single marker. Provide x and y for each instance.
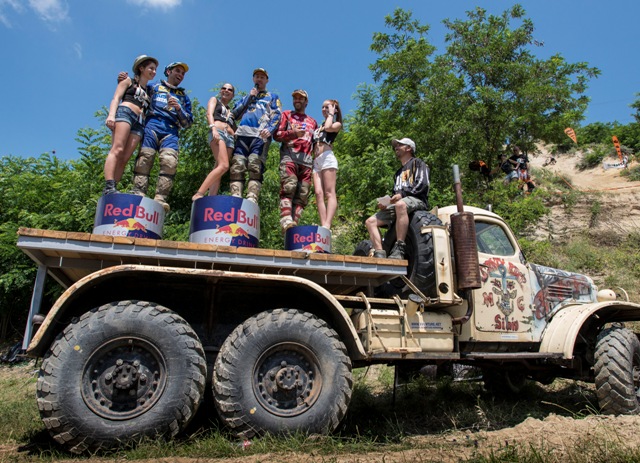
(421, 270)
(617, 370)
(282, 371)
(121, 372)
(501, 382)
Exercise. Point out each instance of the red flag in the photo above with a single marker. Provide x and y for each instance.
(616, 143)
(571, 134)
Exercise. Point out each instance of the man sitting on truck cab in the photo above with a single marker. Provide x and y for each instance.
(410, 194)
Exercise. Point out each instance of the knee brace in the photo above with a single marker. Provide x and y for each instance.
(288, 186)
(168, 165)
(255, 167)
(238, 168)
(144, 163)
(302, 197)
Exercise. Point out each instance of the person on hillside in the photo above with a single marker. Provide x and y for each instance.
(126, 119)
(325, 165)
(258, 114)
(221, 139)
(410, 194)
(170, 111)
(295, 132)
(520, 163)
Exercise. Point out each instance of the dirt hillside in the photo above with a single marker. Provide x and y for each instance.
(608, 204)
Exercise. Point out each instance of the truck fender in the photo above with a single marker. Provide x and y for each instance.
(562, 330)
(46, 333)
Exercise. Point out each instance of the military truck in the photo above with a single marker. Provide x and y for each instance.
(143, 327)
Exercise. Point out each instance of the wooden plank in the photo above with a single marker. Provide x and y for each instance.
(55, 234)
(281, 253)
(318, 256)
(166, 244)
(101, 239)
(229, 249)
(353, 259)
(145, 242)
(30, 232)
(123, 240)
(255, 251)
(79, 236)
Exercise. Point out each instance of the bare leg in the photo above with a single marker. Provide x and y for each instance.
(221, 158)
(331, 205)
(402, 220)
(319, 191)
(117, 157)
(372, 225)
(215, 187)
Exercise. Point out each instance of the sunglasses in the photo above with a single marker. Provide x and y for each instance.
(227, 89)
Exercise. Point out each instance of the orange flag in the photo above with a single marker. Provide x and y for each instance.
(571, 134)
(616, 143)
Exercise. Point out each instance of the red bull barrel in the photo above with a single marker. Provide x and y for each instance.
(129, 215)
(225, 221)
(308, 238)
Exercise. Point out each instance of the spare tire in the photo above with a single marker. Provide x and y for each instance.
(364, 248)
(419, 254)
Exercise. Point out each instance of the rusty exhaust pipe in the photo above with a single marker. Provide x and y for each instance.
(465, 248)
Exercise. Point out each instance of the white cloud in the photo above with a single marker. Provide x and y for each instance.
(4, 4)
(161, 4)
(78, 49)
(51, 11)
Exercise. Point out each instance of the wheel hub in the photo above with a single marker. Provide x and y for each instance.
(124, 378)
(287, 379)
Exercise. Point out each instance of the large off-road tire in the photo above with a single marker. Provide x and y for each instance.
(419, 254)
(282, 371)
(121, 372)
(617, 370)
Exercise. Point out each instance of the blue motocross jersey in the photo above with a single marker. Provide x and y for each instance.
(256, 113)
(162, 118)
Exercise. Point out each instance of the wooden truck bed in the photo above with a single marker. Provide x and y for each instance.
(70, 256)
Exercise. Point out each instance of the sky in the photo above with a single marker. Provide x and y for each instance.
(61, 57)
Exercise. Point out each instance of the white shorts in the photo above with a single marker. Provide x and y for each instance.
(324, 161)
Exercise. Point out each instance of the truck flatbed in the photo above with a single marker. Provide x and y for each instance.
(70, 256)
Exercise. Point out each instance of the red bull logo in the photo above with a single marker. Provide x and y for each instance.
(233, 230)
(233, 215)
(130, 224)
(313, 247)
(136, 212)
(308, 238)
(311, 238)
(128, 215)
(225, 220)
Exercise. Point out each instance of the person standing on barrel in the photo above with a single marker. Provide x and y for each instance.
(296, 134)
(126, 119)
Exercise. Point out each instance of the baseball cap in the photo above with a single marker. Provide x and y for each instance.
(262, 70)
(404, 141)
(170, 66)
(301, 93)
